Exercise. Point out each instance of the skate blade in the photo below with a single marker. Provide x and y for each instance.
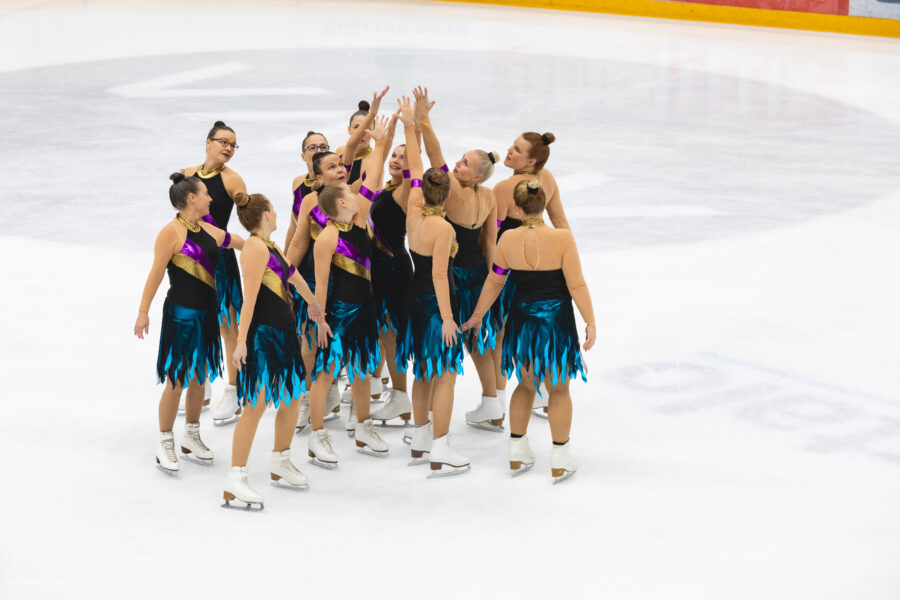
(169, 472)
(223, 422)
(248, 506)
(539, 412)
(323, 465)
(287, 486)
(181, 411)
(301, 428)
(206, 462)
(486, 426)
(331, 416)
(449, 471)
(521, 470)
(563, 477)
(384, 423)
(417, 461)
(368, 452)
(407, 439)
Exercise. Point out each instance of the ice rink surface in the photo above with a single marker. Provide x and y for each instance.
(735, 193)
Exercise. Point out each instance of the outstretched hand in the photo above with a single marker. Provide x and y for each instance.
(407, 115)
(381, 125)
(323, 333)
(449, 331)
(240, 355)
(423, 105)
(376, 99)
(315, 312)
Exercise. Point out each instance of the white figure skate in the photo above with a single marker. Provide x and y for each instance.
(490, 413)
(351, 424)
(193, 448)
(368, 441)
(321, 451)
(562, 465)
(410, 433)
(421, 444)
(238, 489)
(521, 458)
(303, 413)
(397, 405)
(332, 403)
(207, 395)
(284, 473)
(540, 402)
(227, 410)
(166, 460)
(442, 455)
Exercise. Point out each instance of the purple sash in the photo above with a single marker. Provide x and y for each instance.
(298, 200)
(209, 219)
(318, 217)
(195, 253)
(345, 248)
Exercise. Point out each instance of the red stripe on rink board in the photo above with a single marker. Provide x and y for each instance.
(825, 7)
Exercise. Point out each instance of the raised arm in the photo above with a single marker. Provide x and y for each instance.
(432, 146)
(373, 164)
(166, 245)
(254, 259)
(358, 133)
(389, 136)
(554, 204)
(414, 200)
(300, 240)
(571, 267)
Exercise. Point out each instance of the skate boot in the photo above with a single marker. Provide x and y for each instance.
(284, 473)
(521, 458)
(397, 405)
(442, 455)
(351, 420)
(332, 403)
(303, 413)
(165, 454)
(207, 395)
(368, 441)
(376, 388)
(421, 444)
(409, 434)
(193, 447)
(227, 410)
(562, 465)
(320, 450)
(540, 402)
(237, 488)
(489, 414)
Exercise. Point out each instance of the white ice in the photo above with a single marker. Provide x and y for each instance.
(735, 193)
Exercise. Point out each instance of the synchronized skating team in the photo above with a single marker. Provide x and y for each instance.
(412, 271)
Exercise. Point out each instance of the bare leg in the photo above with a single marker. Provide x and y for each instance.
(389, 350)
(168, 405)
(484, 366)
(245, 430)
(499, 379)
(359, 388)
(193, 402)
(559, 411)
(285, 424)
(317, 396)
(422, 392)
(442, 406)
(309, 359)
(229, 335)
(521, 403)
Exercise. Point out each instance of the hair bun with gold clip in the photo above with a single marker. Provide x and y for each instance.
(533, 186)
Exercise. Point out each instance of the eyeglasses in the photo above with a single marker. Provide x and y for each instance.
(225, 142)
(319, 148)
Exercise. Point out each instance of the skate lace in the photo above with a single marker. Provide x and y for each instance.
(288, 466)
(169, 449)
(370, 431)
(325, 440)
(194, 436)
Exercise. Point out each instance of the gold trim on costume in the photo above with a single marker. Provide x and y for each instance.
(345, 227)
(379, 245)
(362, 153)
(190, 226)
(312, 184)
(273, 282)
(454, 248)
(268, 243)
(208, 174)
(428, 211)
(314, 229)
(192, 267)
(390, 187)
(351, 266)
(533, 222)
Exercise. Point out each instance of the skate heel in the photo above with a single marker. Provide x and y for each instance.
(406, 416)
(436, 466)
(359, 444)
(497, 422)
(185, 450)
(417, 453)
(228, 496)
(557, 472)
(311, 453)
(274, 476)
(336, 410)
(515, 465)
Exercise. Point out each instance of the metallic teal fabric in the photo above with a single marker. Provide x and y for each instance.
(468, 287)
(189, 345)
(419, 340)
(228, 286)
(354, 344)
(273, 364)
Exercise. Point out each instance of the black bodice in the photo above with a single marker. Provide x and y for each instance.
(422, 281)
(507, 224)
(469, 255)
(350, 279)
(222, 205)
(389, 220)
(274, 306)
(190, 290)
(540, 285)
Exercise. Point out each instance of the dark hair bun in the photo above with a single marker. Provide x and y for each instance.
(363, 105)
(309, 133)
(548, 138)
(241, 199)
(493, 157)
(176, 177)
(219, 124)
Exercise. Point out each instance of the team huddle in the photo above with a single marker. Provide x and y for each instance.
(409, 270)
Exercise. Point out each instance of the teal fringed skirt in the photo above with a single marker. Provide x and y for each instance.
(541, 334)
(419, 339)
(273, 364)
(189, 345)
(354, 341)
(468, 288)
(228, 287)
